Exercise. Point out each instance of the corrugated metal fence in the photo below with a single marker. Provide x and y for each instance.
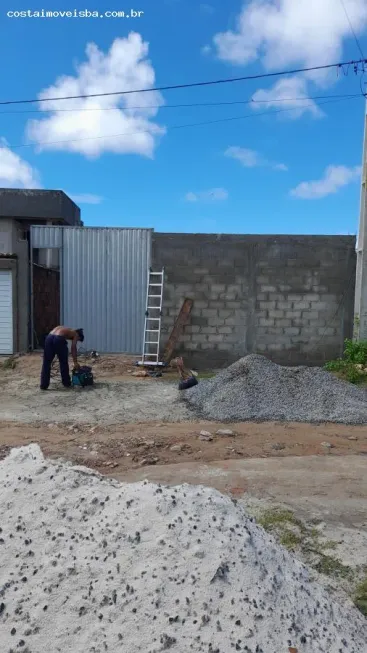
(103, 282)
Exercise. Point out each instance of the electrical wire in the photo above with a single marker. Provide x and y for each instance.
(194, 124)
(184, 106)
(230, 80)
(352, 28)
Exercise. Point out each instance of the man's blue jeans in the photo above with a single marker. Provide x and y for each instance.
(55, 346)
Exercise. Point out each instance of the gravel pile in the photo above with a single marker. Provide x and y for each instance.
(89, 565)
(254, 388)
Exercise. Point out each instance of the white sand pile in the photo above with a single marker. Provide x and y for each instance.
(254, 388)
(89, 565)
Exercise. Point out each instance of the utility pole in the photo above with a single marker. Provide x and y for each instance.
(360, 305)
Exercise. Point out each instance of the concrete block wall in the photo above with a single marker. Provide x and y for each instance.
(287, 297)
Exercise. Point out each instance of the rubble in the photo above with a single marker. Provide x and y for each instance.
(91, 565)
(254, 388)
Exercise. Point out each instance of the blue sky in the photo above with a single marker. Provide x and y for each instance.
(295, 171)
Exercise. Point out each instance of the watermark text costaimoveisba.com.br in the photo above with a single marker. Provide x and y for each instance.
(74, 13)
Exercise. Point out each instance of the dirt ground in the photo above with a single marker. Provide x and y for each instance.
(136, 428)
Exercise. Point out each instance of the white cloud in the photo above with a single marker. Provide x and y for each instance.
(335, 177)
(247, 158)
(85, 198)
(286, 34)
(206, 50)
(89, 132)
(281, 167)
(280, 97)
(14, 171)
(206, 8)
(213, 195)
(252, 159)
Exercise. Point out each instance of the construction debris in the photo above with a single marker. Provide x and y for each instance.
(226, 432)
(254, 388)
(90, 565)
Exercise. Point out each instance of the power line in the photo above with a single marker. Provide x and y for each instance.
(355, 64)
(352, 28)
(181, 106)
(194, 124)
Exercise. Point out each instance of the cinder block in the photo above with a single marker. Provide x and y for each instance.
(187, 337)
(295, 298)
(262, 296)
(224, 346)
(199, 321)
(266, 288)
(215, 338)
(262, 279)
(284, 288)
(184, 288)
(215, 321)
(276, 314)
(225, 329)
(201, 304)
(206, 345)
(228, 296)
(191, 346)
(263, 331)
(237, 289)
(284, 323)
(263, 321)
(219, 288)
(217, 304)
(301, 306)
(261, 347)
(200, 337)
(291, 331)
(319, 289)
(329, 299)
(275, 346)
(272, 331)
(265, 306)
(310, 315)
(326, 331)
(276, 297)
(321, 306)
(234, 305)
(201, 271)
(230, 337)
(224, 313)
(293, 314)
(283, 306)
(313, 297)
(209, 330)
(209, 312)
(235, 321)
(191, 328)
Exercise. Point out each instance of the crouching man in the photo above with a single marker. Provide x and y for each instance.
(56, 345)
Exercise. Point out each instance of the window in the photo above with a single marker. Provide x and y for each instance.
(23, 235)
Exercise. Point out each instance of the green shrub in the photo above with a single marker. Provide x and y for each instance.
(356, 351)
(349, 366)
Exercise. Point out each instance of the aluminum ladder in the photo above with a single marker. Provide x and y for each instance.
(153, 319)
